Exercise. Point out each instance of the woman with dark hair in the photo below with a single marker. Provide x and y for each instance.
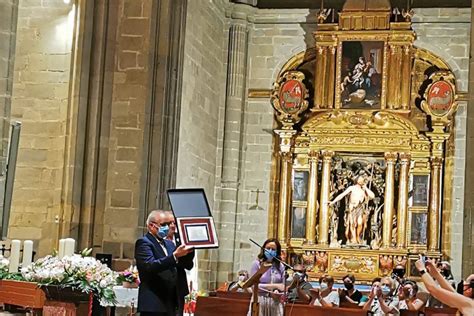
(272, 282)
(349, 294)
(407, 296)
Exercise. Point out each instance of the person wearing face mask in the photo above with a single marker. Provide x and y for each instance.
(236, 286)
(407, 297)
(299, 287)
(325, 296)
(349, 294)
(272, 282)
(381, 301)
(172, 234)
(445, 293)
(161, 267)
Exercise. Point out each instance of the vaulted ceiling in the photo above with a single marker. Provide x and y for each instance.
(337, 4)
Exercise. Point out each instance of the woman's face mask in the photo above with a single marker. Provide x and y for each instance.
(323, 286)
(270, 254)
(348, 285)
(242, 278)
(385, 289)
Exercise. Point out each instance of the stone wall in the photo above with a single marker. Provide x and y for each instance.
(40, 102)
(202, 111)
(446, 33)
(8, 18)
(129, 98)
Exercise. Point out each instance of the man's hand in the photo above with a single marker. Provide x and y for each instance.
(182, 251)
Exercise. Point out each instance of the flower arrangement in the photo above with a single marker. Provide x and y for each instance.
(77, 272)
(4, 264)
(190, 301)
(130, 276)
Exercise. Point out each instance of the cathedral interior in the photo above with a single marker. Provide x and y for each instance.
(342, 128)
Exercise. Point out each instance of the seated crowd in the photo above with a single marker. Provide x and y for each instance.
(387, 295)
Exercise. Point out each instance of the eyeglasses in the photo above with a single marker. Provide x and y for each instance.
(163, 224)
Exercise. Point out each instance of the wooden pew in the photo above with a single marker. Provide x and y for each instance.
(445, 311)
(238, 305)
(308, 310)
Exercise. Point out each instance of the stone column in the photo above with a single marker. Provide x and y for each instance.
(324, 207)
(403, 199)
(434, 210)
(232, 144)
(312, 198)
(390, 159)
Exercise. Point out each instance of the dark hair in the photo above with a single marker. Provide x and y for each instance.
(329, 279)
(377, 279)
(261, 255)
(413, 285)
(350, 277)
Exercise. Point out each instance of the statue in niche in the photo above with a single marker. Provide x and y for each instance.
(357, 209)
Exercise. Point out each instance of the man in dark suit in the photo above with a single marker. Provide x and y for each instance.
(161, 268)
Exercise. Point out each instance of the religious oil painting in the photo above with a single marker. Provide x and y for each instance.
(361, 74)
(298, 222)
(418, 228)
(420, 190)
(300, 185)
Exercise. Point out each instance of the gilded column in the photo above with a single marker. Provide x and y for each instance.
(324, 199)
(403, 199)
(312, 198)
(390, 159)
(283, 214)
(433, 226)
(330, 78)
(320, 74)
(394, 77)
(406, 77)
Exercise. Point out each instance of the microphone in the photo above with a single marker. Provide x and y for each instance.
(287, 266)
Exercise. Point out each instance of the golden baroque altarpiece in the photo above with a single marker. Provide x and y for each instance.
(363, 148)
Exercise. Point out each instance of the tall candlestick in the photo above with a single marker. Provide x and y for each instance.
(62, 244)
(14, 256)
(69, 247)
(27, 253)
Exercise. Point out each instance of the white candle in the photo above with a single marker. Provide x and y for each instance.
(62, 244)
(14, 256)
(27, 253)
(69, 247)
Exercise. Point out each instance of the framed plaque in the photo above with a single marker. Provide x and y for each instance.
(194, 220)
(197, 232)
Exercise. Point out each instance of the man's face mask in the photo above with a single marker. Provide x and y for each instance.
(399, 272)
(163, 231)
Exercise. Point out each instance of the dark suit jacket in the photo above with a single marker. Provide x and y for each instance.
(163, 283)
